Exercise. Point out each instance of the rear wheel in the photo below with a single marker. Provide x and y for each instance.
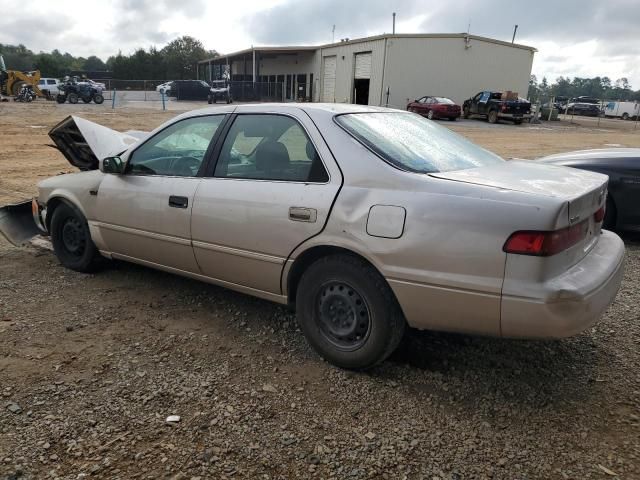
(71, 239)
(465, 112)
(73, 98)
(492, 117)
(348, 313)
(517, 122)
(15, 89)
(625, 116)
(430, 115)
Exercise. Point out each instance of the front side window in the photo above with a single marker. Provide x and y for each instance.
(412, 143)
(177, 150)
(51, 82)
(269, 147)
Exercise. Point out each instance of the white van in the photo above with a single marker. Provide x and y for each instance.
(623, 110)
(50, 84)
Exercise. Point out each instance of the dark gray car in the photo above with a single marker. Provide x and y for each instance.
(622, 165)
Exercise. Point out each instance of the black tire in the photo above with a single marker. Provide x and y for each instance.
(430, 115)
(73, 98)
(15, 88)
(465, 112)
(492, 117)
(341, 288)
(209, 101)
(625, 116)
(517, 122)
(61, 98)
(98, 98)
(453, 119)
(610, 214)
(71, 239)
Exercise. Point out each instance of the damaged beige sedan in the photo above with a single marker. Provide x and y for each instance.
(366, 220)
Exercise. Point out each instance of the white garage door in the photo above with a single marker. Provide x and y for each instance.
(363, 65)
(329, 80)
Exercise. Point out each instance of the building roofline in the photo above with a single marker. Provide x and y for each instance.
(306, 48)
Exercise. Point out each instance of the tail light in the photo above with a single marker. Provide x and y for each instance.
(545, 244)
(503, 107)
(599, 215)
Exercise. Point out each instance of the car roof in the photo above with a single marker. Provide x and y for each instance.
(330, 109)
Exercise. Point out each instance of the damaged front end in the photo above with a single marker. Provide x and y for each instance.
(20, 222)
(83, 143)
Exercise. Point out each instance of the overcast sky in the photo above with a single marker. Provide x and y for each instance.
(573, 37)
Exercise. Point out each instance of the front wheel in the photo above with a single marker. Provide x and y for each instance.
(625, 116)
(348, 313)
(492, 117)
(61, 98)
(465, 112)
(98, 98)
(71, 239)
(430, 115)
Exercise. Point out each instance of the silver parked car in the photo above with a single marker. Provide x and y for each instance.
(367, 220)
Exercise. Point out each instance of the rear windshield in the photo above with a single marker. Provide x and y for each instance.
(413, 143)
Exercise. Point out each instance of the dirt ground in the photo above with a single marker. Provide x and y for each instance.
(91, 366)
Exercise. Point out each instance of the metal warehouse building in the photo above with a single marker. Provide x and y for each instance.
(382, 70)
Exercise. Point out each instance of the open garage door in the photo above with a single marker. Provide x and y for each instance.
(362, 78)
(329, 80)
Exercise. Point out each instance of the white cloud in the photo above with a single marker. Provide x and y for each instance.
(574, 37)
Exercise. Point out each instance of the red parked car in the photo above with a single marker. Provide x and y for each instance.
(435, 107)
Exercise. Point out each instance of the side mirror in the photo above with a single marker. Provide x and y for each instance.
(112, 165)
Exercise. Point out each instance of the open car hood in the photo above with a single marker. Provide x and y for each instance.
(83, 143)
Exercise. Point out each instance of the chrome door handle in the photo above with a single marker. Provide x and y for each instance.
(303, 214)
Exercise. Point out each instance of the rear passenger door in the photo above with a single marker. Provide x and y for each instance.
(271, 189)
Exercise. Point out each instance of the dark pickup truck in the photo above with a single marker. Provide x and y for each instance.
(491, 105)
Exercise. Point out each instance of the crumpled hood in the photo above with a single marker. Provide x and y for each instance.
(83, 142)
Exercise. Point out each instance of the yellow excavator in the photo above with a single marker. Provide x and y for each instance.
(11, 81)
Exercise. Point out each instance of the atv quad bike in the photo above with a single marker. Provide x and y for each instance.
(74, 91)
(220, 90)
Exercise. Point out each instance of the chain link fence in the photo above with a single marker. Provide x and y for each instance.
(128, 92)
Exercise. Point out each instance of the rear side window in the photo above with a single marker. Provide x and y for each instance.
(413, 143)
(51, 82)
(269, 147)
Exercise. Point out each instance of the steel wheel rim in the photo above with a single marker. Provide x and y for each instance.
(430, 115)
(343, 315)
(73, 237)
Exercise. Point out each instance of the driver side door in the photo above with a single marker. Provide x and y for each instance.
(144, 214)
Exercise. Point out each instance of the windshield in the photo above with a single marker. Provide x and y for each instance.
(443, 100)
(413, 143)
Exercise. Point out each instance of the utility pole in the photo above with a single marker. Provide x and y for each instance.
(393, 29)
(515, 29)
(333, 34)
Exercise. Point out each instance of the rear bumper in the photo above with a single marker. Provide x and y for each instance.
(571, 302)
(515, 116)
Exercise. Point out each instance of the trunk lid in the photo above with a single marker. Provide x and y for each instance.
(584, 191)
(83, 142)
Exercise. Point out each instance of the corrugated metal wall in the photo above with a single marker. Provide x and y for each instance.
(445, 66)
(345, 68)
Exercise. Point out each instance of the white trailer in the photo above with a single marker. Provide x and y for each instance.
(624, 110)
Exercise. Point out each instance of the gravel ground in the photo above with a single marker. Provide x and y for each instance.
(91, 366)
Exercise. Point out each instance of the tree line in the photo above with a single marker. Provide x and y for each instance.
(602, 88)
(173, 62)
